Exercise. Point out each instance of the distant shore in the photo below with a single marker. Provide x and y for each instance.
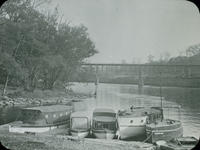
(152, 81)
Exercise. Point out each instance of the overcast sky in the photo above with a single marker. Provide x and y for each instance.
(131, 30)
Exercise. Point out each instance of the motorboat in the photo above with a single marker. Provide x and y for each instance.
(104, 123)
(132, 123)
(41, 119)
(80, 123)
(166, 129)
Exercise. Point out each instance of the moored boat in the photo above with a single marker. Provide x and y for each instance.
(41, 119)
(166, 130)
(80, 123)
(132, 123)
(104, 123)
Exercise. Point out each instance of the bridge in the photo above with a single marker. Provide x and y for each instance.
(142, 74)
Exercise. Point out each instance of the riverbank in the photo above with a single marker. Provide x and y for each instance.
(19, 98)
(50, 141)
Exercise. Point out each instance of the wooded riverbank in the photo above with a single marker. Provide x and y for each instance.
(19, 98)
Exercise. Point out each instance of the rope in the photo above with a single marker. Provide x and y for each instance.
(18, 115)
(148, 137)
(179, 143)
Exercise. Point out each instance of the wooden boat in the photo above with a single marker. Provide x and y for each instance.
(80, 123)
(166, 130)
(41, 119)
(104, 123)
(132, 123)
(182, 143)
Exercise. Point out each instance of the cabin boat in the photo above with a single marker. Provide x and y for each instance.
(132, 123)
(80, 123)
(166, 130)
(41, 119)
(182, 143)
(104, 123)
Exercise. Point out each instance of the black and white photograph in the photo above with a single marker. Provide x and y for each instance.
(99, 75)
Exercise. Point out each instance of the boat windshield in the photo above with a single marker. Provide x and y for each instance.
(104, 114)
(79, 123)
(103, 125)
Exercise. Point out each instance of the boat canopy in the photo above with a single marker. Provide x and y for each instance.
(104, 119)
(80, 120)
(99, 124)
(104, 115)
(80, 123)
(104, 112)
(81, 114)
(108, 110)
(51, 108)
(49, 114)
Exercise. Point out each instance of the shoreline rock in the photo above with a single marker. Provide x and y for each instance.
(6, 101)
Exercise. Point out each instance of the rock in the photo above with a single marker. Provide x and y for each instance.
(20, 99)
(5, 98)
(74, 138)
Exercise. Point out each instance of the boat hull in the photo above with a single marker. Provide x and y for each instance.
(16, 129)
(166, 133)
(33, 129)
(131, 127)
(127, 132)
(104, 134)
(81, 134)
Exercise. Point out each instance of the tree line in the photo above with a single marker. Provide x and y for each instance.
(191, 57)
(37, 47)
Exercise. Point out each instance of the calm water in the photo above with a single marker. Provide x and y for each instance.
(118, 96)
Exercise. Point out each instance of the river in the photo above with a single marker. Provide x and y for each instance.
(121, 96)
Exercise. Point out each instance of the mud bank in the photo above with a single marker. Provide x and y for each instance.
(62, 142)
